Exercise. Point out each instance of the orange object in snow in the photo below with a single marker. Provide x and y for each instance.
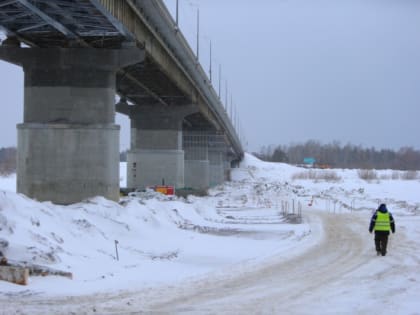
(166, 190)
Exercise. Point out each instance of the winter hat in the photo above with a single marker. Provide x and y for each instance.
(382, 208)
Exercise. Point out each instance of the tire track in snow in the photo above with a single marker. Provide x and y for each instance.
(280, 285)
(277, 285)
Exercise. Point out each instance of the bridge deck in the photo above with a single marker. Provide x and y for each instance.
(170, 75)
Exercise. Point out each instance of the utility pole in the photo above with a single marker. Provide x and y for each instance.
(198, 32)
(234, 116)
(231, 104)
(210, 63)
(220, 80)
(177, 13)
(237, 119)
(231, 113)
(226, 96)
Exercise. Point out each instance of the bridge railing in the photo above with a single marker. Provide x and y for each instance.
(160, 19)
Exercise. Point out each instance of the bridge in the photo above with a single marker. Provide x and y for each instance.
(77, 56)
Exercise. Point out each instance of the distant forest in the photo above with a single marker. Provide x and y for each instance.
(7, 161)
(334, 155)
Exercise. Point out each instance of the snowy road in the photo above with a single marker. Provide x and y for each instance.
(314, 281)
(227, 253)
(281, 285)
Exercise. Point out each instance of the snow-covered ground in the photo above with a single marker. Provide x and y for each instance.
(234, 251)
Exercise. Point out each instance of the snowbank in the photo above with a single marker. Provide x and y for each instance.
(164, 240)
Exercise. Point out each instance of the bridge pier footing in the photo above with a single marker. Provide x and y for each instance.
(150, 167)
(68, 144)
(156, 155)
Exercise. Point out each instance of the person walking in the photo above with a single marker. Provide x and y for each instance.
(382, 222)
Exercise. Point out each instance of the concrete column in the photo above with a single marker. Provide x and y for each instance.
(197, 167)
(217, 169)
(156, 156)
(68, 144)
(227, 169)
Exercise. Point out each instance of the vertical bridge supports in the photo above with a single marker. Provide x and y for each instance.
(217, 157)
(68, 143)
(162, 153)
(205, 159)
(197, 166)
(156, 155)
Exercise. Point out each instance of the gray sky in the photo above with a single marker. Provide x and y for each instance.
(326, 70)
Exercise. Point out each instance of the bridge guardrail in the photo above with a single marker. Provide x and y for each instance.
(160, 17)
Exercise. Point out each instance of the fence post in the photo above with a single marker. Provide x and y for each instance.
(116, 249)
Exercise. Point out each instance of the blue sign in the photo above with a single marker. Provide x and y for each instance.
(309, 160)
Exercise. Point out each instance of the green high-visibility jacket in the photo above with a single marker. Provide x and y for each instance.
(383, 222)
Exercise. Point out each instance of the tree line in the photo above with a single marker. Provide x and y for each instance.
(332, 155)
(335, 155)
(7, 161)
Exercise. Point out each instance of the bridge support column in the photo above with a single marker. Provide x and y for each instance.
(227, 168)
(197, 174)
(156, 155)
(197, 165)
(68, 144)
(217, 155)
(217, 168)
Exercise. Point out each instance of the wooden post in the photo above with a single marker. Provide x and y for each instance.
(116, 249)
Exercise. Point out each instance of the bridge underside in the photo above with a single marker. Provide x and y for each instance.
(151, 89)
(81, 23)
(60, 23)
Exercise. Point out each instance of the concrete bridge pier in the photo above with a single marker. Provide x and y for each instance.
(156, 155)
(217, 167)
(206, 159)
(68, 144)
(227, 168)
(197, 173)
(197, 164)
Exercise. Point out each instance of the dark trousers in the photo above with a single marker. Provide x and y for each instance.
(381, 241)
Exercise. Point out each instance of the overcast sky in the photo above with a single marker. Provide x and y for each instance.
(326, 70)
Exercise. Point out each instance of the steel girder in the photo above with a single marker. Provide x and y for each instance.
(60, 22)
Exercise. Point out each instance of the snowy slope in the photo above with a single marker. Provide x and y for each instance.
(237, 228)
